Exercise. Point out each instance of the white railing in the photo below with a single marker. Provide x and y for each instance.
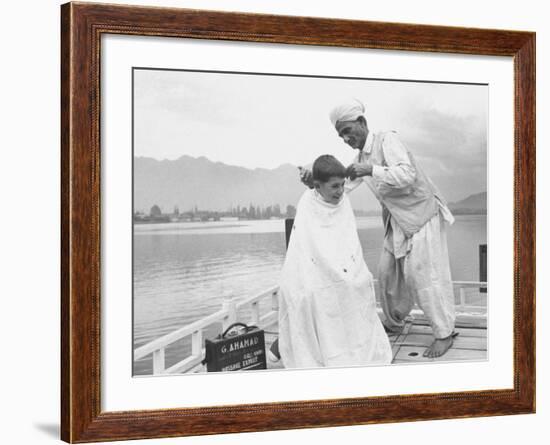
(227, 315)
(462, 307)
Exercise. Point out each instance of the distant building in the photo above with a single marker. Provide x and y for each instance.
(155, 211)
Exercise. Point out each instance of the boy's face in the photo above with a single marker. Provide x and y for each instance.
(332, 190)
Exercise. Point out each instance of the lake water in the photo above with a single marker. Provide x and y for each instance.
(183, 271)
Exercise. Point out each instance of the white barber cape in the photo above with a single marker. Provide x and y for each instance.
(327, 313)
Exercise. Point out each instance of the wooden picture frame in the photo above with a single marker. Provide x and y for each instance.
(82, 26)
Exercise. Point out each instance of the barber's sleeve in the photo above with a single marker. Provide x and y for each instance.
(399, 171)
(350, 185)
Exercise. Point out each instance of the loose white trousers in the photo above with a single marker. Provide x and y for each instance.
(422, 275)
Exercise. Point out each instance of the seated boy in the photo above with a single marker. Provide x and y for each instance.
(327, 312)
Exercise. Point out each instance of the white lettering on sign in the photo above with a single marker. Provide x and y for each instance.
(250, 361)
(240, 344)
(232, 367)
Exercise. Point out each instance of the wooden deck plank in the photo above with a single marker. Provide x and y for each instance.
(395, 349)
(470, 345)
(414, 354)
(460, 342)
(464, 332)
(462, 321)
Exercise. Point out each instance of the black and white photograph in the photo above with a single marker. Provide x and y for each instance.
(275, 222)
(286, 222)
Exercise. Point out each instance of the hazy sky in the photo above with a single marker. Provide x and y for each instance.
(265, 121)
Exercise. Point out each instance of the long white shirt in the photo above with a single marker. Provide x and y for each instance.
(399, 173)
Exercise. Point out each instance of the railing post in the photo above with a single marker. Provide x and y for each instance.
(231, 308)
(255, 313)
(483, 265)
(196, 343)
(158, 361)
(289, 222)
(462, 295)
(275, 300)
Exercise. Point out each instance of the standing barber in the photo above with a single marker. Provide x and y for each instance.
(414, 264)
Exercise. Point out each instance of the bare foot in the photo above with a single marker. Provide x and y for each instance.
(395, 330)
(439, 346)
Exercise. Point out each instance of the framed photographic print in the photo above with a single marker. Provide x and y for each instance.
(274, 222)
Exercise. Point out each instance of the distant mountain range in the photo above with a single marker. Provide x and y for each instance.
(190, 183)
(472, 204)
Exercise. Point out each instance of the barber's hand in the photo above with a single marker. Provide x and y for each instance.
(306, 176)
(358, 170)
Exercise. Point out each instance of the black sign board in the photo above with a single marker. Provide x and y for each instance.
(289, 222)
(243, 351)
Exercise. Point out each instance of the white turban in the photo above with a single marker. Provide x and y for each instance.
(348, 111)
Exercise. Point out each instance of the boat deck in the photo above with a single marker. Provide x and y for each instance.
(409, 345)
(261, 310)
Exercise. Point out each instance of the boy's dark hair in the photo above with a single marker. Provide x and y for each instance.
(327, 166)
